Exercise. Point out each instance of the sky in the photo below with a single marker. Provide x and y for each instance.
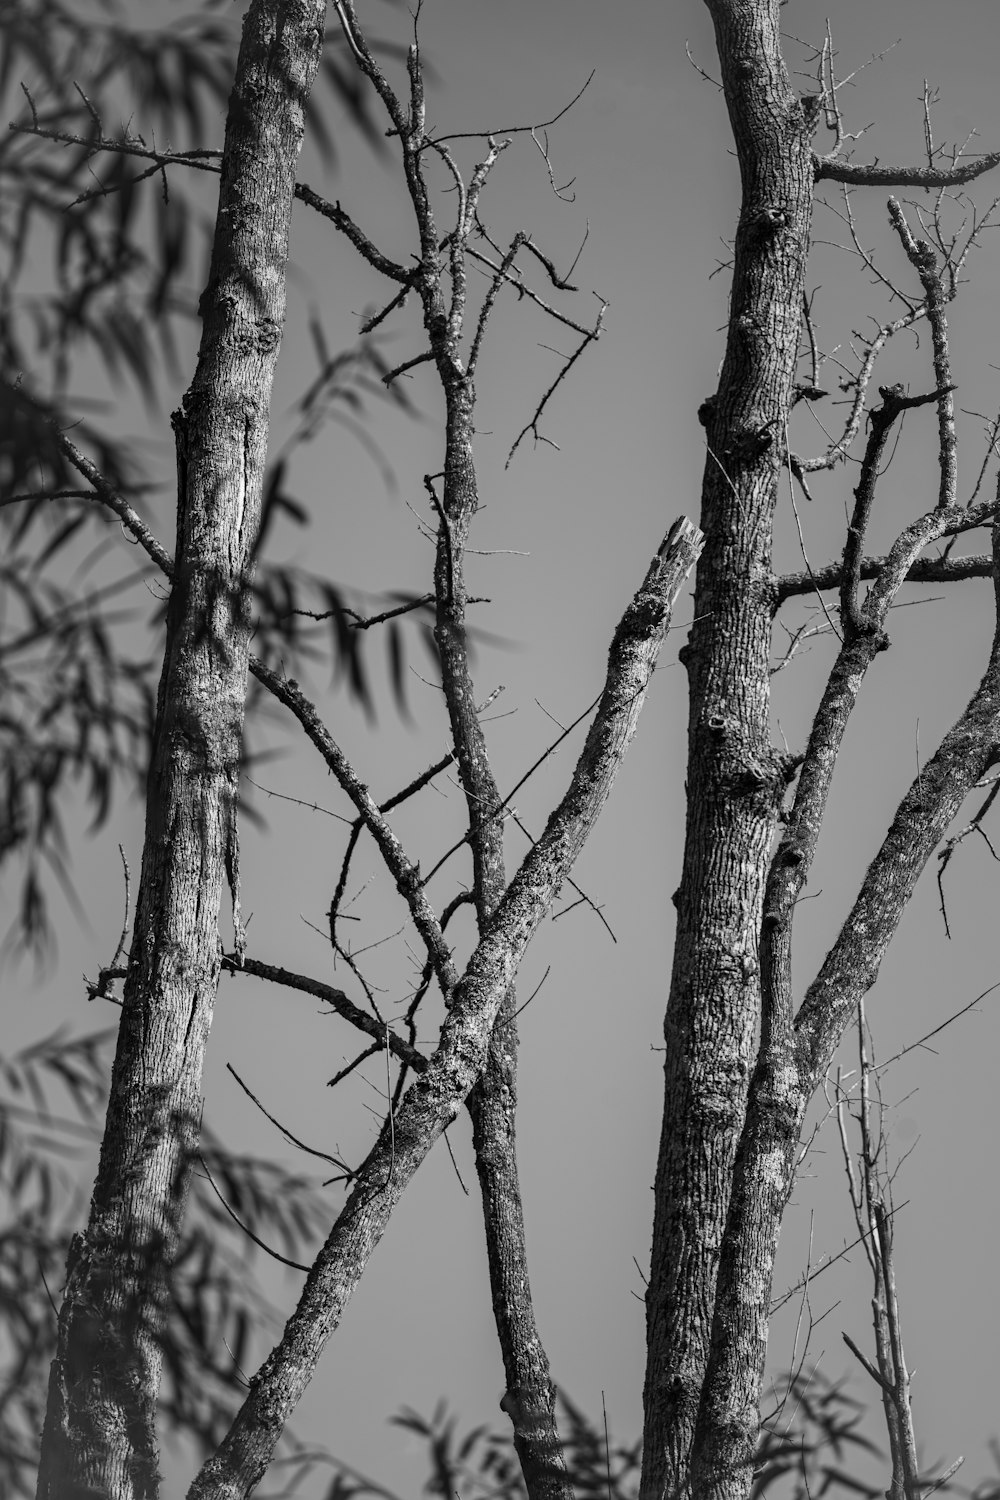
(565, 536)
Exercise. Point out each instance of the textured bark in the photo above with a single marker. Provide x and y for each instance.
(728, 1159)
(530, 1395)
(100, 1423)
(529, 1400)
(792, 1063)
(437, 1095)
(734, 778)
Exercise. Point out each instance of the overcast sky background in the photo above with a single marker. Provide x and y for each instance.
(649, 150)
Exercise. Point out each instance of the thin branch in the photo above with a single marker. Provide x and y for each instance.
(921, 820)
(274, 1254)
(973, 826)
(514, 276)
(408, 364)
(532, 426)
(292, 1139)
(340, 1002)
(342, 1073)
(466, 135)
(364, 246)
(201, 160)
(115, 501)
(863, 1360)
(405, 874)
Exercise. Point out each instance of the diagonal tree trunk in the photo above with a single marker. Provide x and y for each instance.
(100, 1428)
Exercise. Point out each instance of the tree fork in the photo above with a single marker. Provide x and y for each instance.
(735, 779)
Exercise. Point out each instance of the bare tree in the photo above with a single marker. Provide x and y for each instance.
(100, 1424)
(741, 1061)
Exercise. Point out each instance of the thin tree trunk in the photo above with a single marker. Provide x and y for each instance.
(100, 1423)
(529, 1400)
(735, 780)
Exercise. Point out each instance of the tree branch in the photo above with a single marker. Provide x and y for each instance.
(828, 168)
(924, 261)
(967, 751)
(341, 1003)
(436, 1096)
(923, 570)
(405, 874)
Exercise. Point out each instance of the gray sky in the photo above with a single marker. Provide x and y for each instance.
(655, 180)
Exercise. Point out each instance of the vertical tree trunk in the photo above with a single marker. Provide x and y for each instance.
(100, 1423)
(530, 1395)
(734, 778)
(793, 1060)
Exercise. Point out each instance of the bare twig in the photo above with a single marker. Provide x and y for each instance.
(532, 426)
(465, 135)
(292, 1139)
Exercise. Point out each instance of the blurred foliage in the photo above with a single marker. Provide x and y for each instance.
(99, 274)
(52, 1098)
(101, 262)
(805, 1451)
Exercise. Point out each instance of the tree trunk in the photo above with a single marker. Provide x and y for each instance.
(735, 780)
(728, 1158)
(529, 1399)
(100, 1423)
(793, 1060)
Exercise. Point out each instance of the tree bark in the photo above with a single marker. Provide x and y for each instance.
(100, 1422)
(529, 1400)
(734, 779)
(728, 1157)
(793, 1060)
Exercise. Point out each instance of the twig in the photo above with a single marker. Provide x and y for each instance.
(292, 1139)
(274, 1254)
(465, 135)
(532, 426)
(405, 874)
(340, 1002)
